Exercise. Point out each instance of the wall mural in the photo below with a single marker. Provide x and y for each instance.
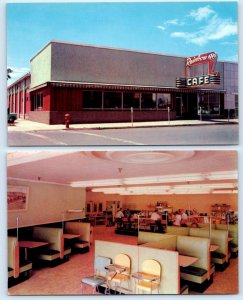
(17, 197)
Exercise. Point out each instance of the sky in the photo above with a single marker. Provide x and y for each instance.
(177, 28)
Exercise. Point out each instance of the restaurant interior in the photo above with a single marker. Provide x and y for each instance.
(122, 222)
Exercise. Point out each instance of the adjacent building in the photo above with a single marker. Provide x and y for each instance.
(98, 84)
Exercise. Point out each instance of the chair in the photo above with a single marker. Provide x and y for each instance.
(151, 267)
(118, 277)
(153, 226)
(100, 274)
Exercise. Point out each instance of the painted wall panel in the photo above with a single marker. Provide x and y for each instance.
(47, 203)
(40, 67)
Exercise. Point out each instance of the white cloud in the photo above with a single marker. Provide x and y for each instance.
(221, 28)
(18, 72)
(189, 37)
(215, 29)
(233, 58)
(201, 13)
(173, 22)
(161, 27)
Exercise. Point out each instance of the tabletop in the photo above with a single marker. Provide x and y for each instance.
(213, 248)
(145, 276)
(32, 244)
(185, 261)
(116, 268)
(70, 236)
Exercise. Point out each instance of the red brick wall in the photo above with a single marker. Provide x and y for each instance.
(82, 117)
(39, 116)
(63, 99)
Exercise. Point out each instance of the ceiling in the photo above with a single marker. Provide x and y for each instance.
(130, 172)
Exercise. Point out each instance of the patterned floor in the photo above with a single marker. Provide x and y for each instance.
(65, 279)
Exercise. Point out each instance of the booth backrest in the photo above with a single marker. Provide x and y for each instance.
(206, 225)
(197, 247)
(157, 240)
(218, 237)
(233, 231)
(83, 229)
(177, 230)
(13, 255)
(53, 236)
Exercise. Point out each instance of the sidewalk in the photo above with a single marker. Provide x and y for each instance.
(26, 125)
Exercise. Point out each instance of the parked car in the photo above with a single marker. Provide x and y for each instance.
(12, 117)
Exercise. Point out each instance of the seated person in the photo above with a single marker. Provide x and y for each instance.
(194, 225)
(118, 217)
(177, 221)
(184, 217)
(156, 218)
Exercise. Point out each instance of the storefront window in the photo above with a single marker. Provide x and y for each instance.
(148, 101)
(112, 100)
(236, 106)
(92, 99)
(131, 100)
(209, 104)
(36, 102)
(163, 100)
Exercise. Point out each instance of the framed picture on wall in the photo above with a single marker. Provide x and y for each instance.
(18, 197)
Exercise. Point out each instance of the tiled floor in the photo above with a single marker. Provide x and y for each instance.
(65, 279)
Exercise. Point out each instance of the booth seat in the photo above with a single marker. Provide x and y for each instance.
(199, 275)
(220, 238)
(17, 271)
(85, 232)
(54, 253)
(233, 233)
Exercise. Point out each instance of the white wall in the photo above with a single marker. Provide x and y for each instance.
(40, 67)
(48, 203)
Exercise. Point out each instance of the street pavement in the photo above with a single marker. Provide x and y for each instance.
(193, 132)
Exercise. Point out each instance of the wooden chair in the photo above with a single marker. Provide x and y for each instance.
(151, 267)
(119, 277)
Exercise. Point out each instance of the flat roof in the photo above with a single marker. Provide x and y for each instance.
(113, 48)
(20, 79)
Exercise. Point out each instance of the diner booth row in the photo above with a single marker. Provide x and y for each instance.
(188, 258)
(185, 258)
(45, 246)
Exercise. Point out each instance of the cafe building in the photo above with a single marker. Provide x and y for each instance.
(99, 84)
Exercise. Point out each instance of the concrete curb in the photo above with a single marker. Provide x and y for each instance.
(28, 126)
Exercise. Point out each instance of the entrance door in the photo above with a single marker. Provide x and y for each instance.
(181, 105)
(178, 106)
(186, 105)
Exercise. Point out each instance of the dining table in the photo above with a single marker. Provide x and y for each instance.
(70, 236)
(213, 248)
(31, 245)
(185, 260)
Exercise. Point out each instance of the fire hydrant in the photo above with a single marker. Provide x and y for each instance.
(67, 120)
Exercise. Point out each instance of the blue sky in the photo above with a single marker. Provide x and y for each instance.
(178, 28)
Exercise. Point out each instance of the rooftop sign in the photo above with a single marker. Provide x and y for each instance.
(211, 78)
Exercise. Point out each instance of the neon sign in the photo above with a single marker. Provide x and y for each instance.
(212, 77)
